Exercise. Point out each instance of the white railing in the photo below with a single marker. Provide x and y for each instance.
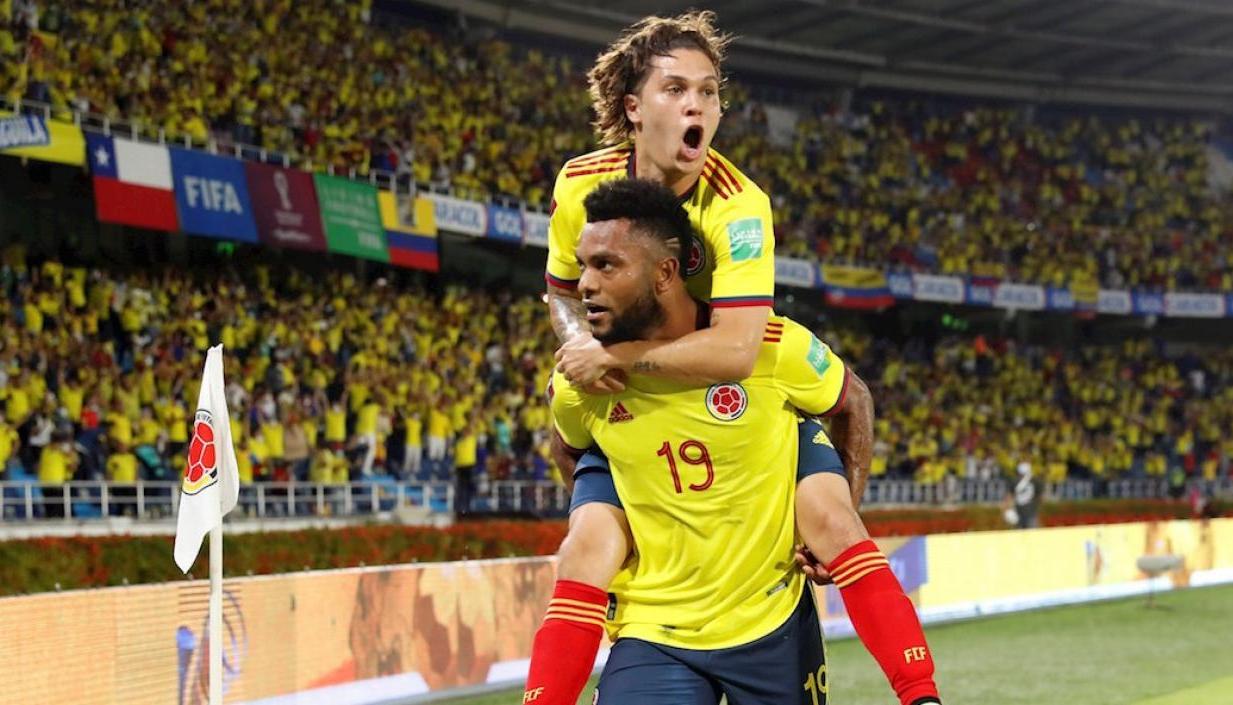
(24, 501)
(21, 501)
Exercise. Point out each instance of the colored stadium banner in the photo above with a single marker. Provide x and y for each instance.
(1019, 296)
(796, 272)
(855, 287)
(1058, 298)
(351, 218)
(212, 196)
(285, 207)
(536, 229)
(33, 137)
(1147, 303)
(1114, 301)
(1181, 305)
(1085, 295)
(981, 290)
(410, 230)
(459, 216)
(504, 224)
(928, 287)
(371, 635)
(900, 285)
(132, 183)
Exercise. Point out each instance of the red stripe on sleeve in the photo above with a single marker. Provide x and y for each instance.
(567, 284)
(843, 395)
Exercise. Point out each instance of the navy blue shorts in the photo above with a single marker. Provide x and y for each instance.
(593, 480)
(785, 667)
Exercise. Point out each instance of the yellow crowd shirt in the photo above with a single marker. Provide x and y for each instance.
(53, 466)
(707, 477)
(335, 425)
(730, 259)
(466, 449)
(8, 441)
(366, 423)
(438, 424)
(414, 432)
(122, 467)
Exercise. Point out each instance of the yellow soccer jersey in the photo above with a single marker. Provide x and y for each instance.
(732, 254)
(707, 477)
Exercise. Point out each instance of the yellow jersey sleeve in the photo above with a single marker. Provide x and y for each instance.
(571, 413)
(741, 232)
(564, 226)
(810, 374)
(577, 178)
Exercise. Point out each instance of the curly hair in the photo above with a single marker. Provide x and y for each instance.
(654, 209)
(622, 68)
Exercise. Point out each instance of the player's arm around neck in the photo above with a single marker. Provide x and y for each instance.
(851, 430)
(724, 352)
(567, 313)
(569, 322)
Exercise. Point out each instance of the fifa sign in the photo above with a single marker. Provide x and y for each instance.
(212, 194)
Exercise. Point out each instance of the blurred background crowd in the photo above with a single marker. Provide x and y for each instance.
(1061, 199)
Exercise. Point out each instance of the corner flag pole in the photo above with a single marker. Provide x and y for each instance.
(210, 489)
(216, 615)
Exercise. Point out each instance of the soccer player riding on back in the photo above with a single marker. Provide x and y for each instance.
(658, 86)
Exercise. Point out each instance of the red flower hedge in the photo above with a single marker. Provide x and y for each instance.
(38, 565)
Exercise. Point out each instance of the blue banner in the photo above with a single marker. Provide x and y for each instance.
(1147, 304)
(1060, 299)
(504, 224)
(900, 285)
(23, 131)
(980, 294)
(212, 196)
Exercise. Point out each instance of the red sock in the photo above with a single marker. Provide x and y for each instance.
(886, 621)
(566, 644)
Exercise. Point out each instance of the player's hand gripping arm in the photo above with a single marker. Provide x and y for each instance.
(569, 322)
(725, 351)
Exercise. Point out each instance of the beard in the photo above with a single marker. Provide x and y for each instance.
(635, 321)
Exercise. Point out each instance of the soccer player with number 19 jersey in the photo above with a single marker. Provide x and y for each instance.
(712, 601)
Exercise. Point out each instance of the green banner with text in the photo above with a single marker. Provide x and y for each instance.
(351, 217)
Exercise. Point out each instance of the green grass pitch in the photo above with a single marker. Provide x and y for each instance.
(1109, 653)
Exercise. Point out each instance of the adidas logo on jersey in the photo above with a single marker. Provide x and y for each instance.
(820, 439)
(619, 414)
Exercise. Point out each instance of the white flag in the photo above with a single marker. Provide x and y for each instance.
(211, 483)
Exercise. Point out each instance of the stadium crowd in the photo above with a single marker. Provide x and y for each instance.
(332, 379)
(996, 192)
(973, 407)
(329, 380)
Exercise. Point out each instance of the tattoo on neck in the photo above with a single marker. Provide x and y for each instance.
(645, 366)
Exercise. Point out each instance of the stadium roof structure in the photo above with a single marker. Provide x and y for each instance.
(1172, 54)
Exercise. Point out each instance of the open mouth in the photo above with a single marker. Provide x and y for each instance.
(693, 137)
(693, 141)
(595, 311)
